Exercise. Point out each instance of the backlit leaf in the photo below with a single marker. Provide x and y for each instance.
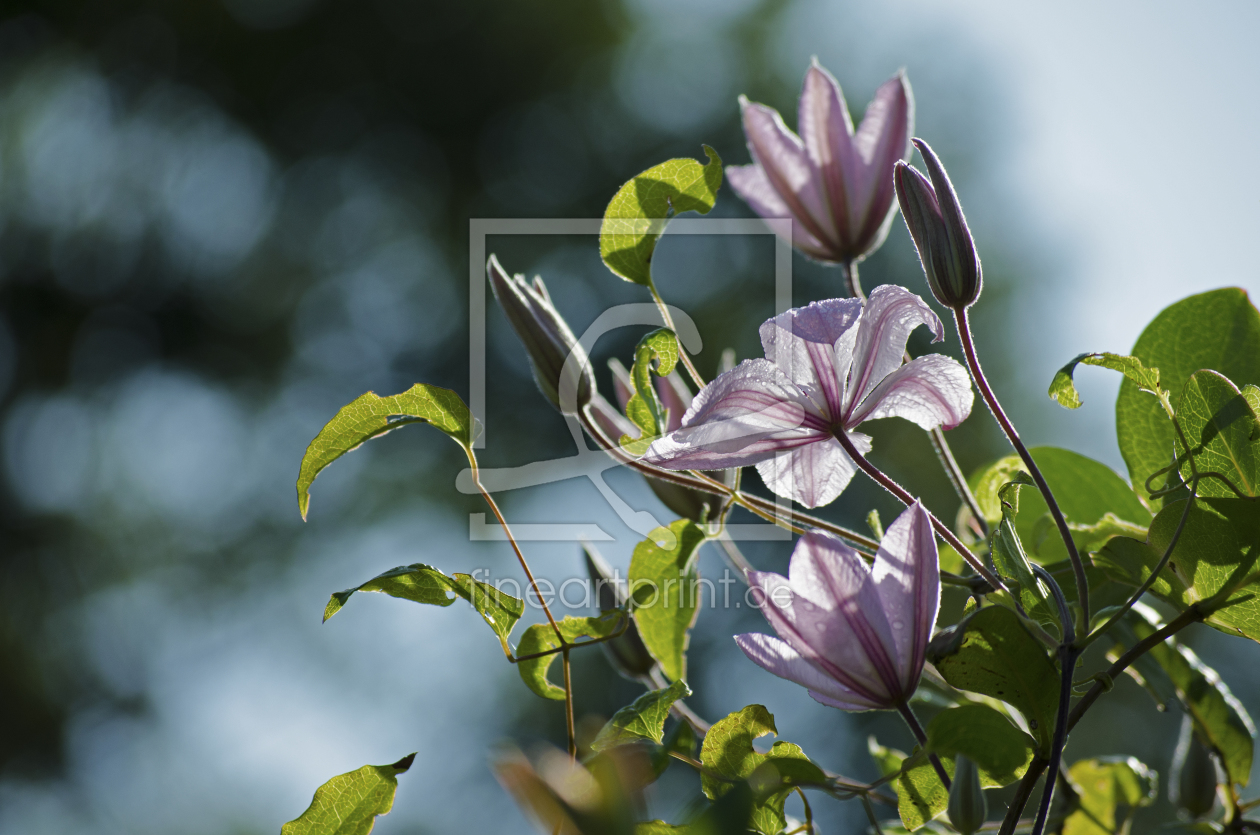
(1064, 390)
(349, 803)
(541, 637)
(1217, 330)
(370, 416)
(1000, 750)
(921, 795)
(666, 593)
(1223, 434)
(644, 407)
(644, 720)
(639, 211)
(991, 652)
(1110, 790)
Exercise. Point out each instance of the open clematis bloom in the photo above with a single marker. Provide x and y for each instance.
(830, 366)
(853, 635)
(836, 184)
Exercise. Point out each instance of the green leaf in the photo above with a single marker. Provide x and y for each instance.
(1220, 720)
(728, 752)
(541, 637)
(921, 795)
(370, 416)
(1110, 790)
(644, 720)
(644, 407)
(425, 584)
(1218, 330)
(1215, 555)
(1087, 491)
(1010, 560)
(665, 592)
(1223, 434)
(991, 652)
(1000, 750)
(1251, 393)
(636, 217)
(349, 803)
(1064, 390)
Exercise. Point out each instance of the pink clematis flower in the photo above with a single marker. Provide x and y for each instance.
(854, 636)
(830, 367)
(836, 184)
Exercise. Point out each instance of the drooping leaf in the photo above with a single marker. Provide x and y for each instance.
(991, 652)
(425, 584)
(1223, 434)
(541, 637)
(1220, 720)
(1000, 750)
(638, 213)
(1215, 555)
(1086, 490)
(921, 795)
(1063, 389)
(1010, 560)
(665, 591)
(1217, 330)
(1110, 789)
(644, 407)
(370, 416)
(349, 803)
(728, 752)
(642, 720)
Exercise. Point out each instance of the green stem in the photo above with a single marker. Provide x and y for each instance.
(669, 323)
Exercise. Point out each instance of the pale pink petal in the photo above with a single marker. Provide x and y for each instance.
(930, 391)
(890, 315)
(783, 159)
(742, 417)
(882, 140)
(777, 656)
(907, 577)
(813, 475)
(750, 183)
(827, 133)
(822, 636)
(802, 342)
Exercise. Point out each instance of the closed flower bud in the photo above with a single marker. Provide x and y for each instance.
(567, 384)
(1192, 779)
(627, 653)
(968, 809)
(936, 223)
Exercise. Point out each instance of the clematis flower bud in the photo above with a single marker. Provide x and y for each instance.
(936, 223)
(968, 809)
(835, 183)
(547, 339)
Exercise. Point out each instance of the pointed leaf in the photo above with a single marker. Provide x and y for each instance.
(425, 584)
(371, 416)
(1064, 390)
(541, 637)
(1223, 434)
(1010, 560)
(636, 217)
(991, 652)
(665, 590)
(1218, 330)
(349, 803)
(644, 720)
